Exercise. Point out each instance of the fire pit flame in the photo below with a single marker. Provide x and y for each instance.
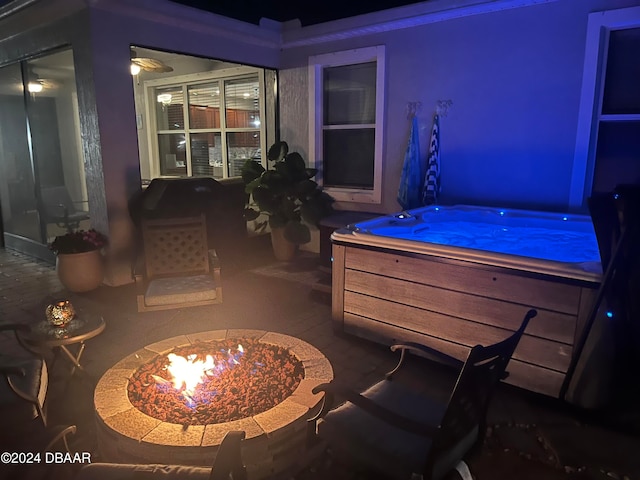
(187, 373)
(160, 380)
(238, 381)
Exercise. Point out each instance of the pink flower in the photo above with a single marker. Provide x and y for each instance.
(79, 241)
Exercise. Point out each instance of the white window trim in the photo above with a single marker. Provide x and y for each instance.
(349, 57)
(181, 80)
(597, 41)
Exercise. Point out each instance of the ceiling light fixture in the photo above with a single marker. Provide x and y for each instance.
(135, 69)
(35, 86)
(164, 99)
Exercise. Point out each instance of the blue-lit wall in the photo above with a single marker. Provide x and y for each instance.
(514, 77)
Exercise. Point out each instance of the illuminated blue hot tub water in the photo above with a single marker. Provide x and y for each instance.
(540, 235)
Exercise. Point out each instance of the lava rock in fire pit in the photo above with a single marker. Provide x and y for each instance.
(215, 382)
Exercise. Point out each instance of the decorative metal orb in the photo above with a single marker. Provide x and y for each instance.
(59, 314)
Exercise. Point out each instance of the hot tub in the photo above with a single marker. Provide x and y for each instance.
(453, 277)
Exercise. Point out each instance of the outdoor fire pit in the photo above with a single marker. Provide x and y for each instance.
(215, 382)
(173, 401)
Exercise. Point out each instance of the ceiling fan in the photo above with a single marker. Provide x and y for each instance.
(43, 79)
(148, 64)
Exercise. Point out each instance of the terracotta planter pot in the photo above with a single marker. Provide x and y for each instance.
(80, 272)
(283, 249)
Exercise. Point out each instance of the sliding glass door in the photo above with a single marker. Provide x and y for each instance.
(17, 183)
(42, 183)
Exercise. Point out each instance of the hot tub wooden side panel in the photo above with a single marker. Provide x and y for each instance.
(386, 296)
(522, 374)
(555, 326)
(454, 275)
(337, 287)
(536, 350)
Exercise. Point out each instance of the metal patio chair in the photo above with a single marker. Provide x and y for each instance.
(227, 464)
(395, 431)
(24, 385)
(60, 209)
(26, 380)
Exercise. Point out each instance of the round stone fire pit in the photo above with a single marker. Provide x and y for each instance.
(274, 438)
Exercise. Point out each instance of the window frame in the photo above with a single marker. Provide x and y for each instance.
(599, 27)
(190, 80)
(316, 124)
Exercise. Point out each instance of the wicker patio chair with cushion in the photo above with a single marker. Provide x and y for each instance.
(60, 209)
(227, 464)
(176, 269)
(25, 381)
(393, 430)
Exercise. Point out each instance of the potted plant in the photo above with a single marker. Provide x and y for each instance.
(79, 260)
(288, 195)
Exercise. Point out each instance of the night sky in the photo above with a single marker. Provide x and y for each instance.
(309, 13)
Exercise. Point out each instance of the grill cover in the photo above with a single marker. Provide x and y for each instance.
(222, 204)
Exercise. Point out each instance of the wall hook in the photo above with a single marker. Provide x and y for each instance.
(412, 109)
(442, 107)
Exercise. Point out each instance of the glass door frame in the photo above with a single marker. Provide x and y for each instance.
(30, 246)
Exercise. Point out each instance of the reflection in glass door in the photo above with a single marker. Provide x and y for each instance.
(17, 193)
(43, 191)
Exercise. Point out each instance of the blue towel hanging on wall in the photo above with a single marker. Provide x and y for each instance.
(432, 178)
(410, 189)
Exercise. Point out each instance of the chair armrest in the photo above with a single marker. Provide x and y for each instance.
(214, 270)
(426, 351)
(63, 207)
(139, 271)
(378, 411)
(16, 327)
(229, 458)
(214, 260)
(59, 433)
(12, 370)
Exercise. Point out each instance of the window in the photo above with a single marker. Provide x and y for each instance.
(617, 151)
(207, 125)
(346, 123)
(608, 137)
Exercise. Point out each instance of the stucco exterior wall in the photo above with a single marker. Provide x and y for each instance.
(100, 37)
(514, 77)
